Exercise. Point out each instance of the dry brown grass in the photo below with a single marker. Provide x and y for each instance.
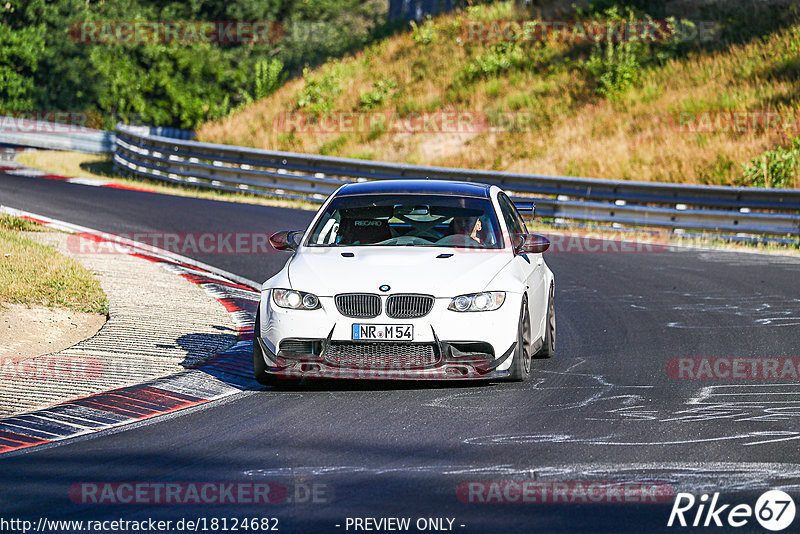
(575, 132)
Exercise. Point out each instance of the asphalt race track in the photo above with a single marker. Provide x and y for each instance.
(603, 409)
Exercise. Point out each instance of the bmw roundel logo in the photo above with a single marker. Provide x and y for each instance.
(385, 287)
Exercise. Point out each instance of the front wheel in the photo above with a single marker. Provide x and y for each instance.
(521, 364)
(549, 345)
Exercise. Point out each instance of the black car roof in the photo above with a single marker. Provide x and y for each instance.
(416, 187)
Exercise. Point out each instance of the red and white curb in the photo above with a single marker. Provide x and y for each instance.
(222, 375)
(95, 182)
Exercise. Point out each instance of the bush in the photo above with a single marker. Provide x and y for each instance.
(425, 33)
(774, 168)
(153, 83)
(616, 67)
(376, 96)
(166, 84)
(268, 77)
(498, 58)
(319, 29)
(318, 94)
(19, 53)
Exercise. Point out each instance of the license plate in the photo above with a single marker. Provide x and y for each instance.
(383, 332)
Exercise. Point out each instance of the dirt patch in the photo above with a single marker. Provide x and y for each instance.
(29, 331)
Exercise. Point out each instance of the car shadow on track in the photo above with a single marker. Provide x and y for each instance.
(202, 347)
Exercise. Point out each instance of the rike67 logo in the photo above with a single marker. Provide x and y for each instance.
(774, 510)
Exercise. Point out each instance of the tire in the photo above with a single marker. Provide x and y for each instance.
(259, 366)
(520, 368)
(549, 345)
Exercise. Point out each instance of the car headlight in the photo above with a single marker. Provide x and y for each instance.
(486, 301)
(295, 300)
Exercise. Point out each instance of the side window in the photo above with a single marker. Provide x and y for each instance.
(511, 216)
(518, 217)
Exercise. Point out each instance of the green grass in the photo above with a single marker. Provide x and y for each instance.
(32, 273)
(19, 224)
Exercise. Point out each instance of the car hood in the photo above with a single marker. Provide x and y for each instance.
(326, 272)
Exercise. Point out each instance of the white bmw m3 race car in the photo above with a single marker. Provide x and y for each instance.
(407, 279)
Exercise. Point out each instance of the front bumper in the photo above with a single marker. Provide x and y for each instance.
(449, 363)
(478, 345)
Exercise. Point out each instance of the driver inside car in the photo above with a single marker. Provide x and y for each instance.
(469, 228)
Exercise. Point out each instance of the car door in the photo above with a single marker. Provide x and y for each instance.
(529, 266)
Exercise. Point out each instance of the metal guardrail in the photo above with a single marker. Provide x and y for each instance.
(23, 132)
(163, 131)
(169, 155)
(312, 177)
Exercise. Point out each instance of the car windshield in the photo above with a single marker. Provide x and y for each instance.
(408, 220)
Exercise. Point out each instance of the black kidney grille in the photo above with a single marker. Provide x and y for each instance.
(408, 306)
(359, 305)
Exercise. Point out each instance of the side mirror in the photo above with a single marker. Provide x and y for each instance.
(530, 244)
(286, 240)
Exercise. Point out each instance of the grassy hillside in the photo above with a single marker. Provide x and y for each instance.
(554, 107)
